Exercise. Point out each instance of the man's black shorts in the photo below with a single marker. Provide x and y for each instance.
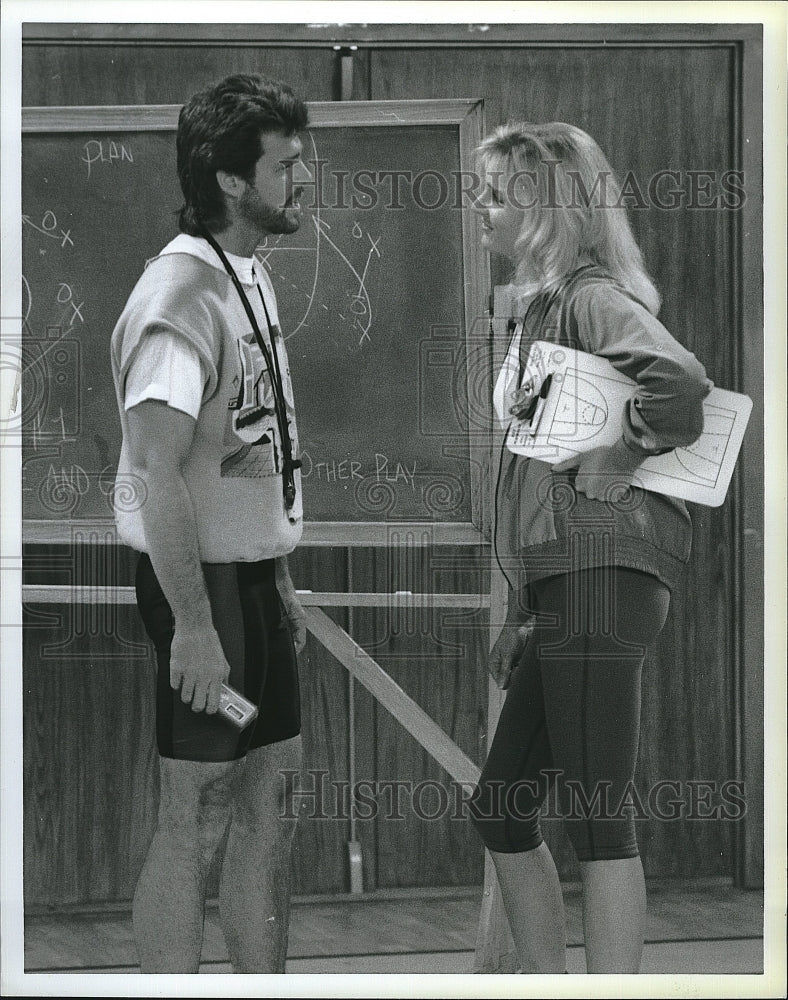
(251, 623)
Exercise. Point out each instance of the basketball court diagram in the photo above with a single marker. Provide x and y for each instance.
(583, 409)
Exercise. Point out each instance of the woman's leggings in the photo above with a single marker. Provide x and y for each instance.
(571, 717)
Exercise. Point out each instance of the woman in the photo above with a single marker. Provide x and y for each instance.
(591, 557)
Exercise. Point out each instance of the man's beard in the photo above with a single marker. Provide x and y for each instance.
(265, 218)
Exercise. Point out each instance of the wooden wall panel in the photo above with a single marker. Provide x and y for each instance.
(438, 658)
(90, 773)
(650, 109)
(320, 849)
(90, 767)
(165, 74)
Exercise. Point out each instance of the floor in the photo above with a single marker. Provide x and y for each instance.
(696, 928)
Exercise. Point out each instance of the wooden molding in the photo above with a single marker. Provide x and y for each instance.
(65, 594)
(322, 114)
(317, 533)
(478, 35)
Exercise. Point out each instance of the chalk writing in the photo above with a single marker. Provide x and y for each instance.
(390, 472)
(74, 478)
(330, 471)
(326, 246)
(27, 299)
(65, 296)
(383, 469)
(96, 152)
(360, 304)
(48, 226)
(36, 430)
(61, 421)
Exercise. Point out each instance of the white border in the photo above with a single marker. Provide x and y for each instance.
(773, 16)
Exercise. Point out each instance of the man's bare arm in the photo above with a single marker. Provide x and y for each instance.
(160, 439)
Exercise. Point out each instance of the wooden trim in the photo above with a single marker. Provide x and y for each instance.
(385, 690)
(416, 533)
(476, 273)
(69, 533)
(63, 594)
(316, 533)
(409, 893)
(750, 484)
(480, 35)
(54, 594)
(322, 114)
(98, 118)
(736, 489)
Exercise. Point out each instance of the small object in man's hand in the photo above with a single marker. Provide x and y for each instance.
(235, 708)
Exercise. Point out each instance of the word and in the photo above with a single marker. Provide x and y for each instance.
(74, 479)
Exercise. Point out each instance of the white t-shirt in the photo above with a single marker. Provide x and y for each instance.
(233, 472)
(167, 367)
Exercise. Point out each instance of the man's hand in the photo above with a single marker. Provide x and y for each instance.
(296, 618)
(603, 473)
(507, 651)
(295, 613)
(198, 667)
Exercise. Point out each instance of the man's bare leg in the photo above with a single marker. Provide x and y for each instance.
(254, 898)
(169, 903)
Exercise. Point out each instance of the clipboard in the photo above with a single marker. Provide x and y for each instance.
(579, 402)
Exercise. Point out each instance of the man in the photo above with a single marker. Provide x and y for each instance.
(209, 450)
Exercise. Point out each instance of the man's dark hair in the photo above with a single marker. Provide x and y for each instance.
(220, 129)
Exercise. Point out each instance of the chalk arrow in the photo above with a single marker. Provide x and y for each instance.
(26, 219)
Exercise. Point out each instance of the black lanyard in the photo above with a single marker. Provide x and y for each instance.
(289, 464)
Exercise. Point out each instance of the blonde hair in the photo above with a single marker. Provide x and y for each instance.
(573, 209)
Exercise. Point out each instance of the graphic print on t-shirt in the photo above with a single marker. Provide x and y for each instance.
(252, 432)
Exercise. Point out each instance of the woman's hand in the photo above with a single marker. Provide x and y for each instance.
(524, 401)
(603, 473)
(507, 651)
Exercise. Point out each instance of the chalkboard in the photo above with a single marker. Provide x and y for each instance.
(380, 295)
